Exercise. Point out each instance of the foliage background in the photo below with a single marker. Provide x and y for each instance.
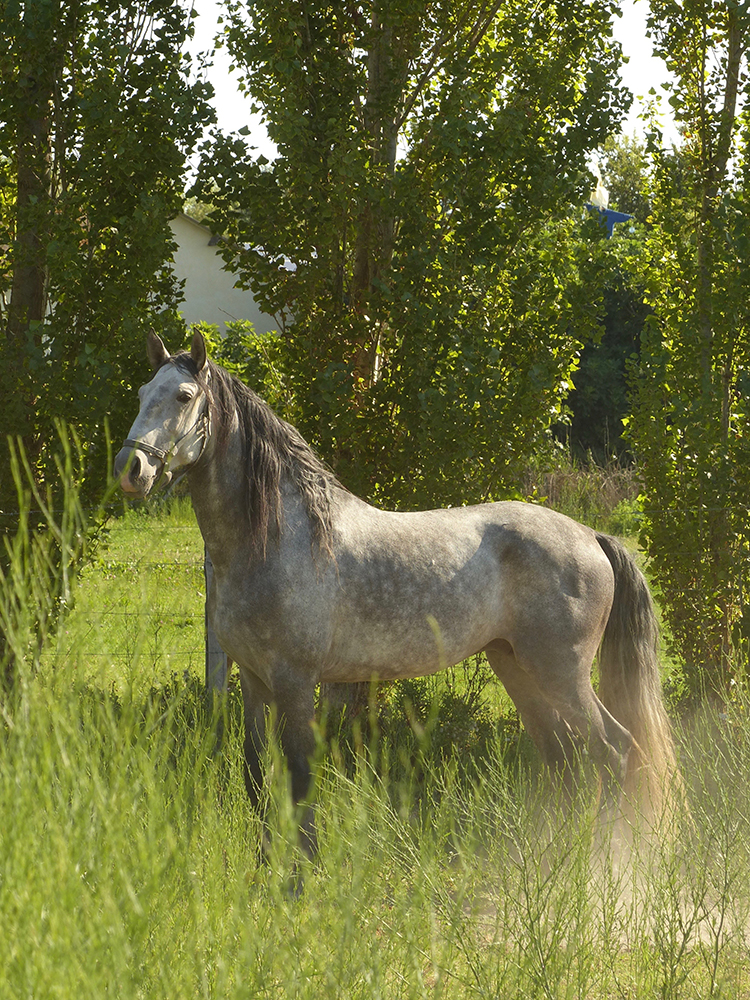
(97, 116)
(689, 424)
(419, 238)
(417, 226)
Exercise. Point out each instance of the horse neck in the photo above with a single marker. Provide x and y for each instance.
(218, 502)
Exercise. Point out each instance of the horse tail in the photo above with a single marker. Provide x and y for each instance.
(630, 686)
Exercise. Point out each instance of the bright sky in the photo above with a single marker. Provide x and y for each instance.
(641, 73)
(232, 107)
(643, 70)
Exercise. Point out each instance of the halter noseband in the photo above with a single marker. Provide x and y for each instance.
(202, 426)
(134, 443)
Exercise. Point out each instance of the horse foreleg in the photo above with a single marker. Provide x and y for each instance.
(296, 704)
(255, 700)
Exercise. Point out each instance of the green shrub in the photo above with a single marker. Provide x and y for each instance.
(627, 517)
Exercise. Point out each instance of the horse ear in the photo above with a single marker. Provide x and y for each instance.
(198, 350)
(157, 352)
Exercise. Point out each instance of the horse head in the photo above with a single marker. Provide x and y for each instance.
(171, 430)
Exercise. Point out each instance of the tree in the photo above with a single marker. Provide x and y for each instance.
(414, 236)
(97, 115)
(600, 401)
(690, 423)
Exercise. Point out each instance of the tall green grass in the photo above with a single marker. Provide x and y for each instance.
(42, 547)
(603, 496)
(130, 866)
(131, 863)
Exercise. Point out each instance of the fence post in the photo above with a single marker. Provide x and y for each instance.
(216, 658)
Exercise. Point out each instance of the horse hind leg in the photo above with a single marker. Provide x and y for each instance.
(608, 743)
(562, 713)
(610, 746)
(556, 742)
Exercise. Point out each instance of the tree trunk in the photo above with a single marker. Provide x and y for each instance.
(33, 156)
(386, 78)
(714, 163)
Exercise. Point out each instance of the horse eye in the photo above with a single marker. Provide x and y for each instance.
(184, 397)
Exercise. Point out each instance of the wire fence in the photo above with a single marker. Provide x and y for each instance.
(136, 608)
(153, 607)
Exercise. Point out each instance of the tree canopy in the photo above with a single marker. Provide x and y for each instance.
(415, 234)
(97, 115)
(690, 414)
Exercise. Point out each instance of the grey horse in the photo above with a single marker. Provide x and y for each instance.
(312, 584)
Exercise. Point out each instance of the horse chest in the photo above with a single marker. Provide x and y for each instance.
(266, 618)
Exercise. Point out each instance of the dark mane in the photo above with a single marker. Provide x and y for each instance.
(270, 448)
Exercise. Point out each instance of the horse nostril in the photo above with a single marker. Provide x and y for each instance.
(121, 462)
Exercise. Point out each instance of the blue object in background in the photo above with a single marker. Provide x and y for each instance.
(608, 217)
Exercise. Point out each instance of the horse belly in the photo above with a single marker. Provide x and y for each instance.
(402, 638)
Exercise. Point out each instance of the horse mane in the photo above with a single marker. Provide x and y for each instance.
(270, 449)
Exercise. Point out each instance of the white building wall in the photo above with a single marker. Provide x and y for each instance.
(210, 295)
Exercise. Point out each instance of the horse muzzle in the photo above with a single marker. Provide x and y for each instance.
(138, 472)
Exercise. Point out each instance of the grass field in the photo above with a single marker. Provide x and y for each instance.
(138, 615)
(130, 862)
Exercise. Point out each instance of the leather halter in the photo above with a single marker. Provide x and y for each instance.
(162, 455)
